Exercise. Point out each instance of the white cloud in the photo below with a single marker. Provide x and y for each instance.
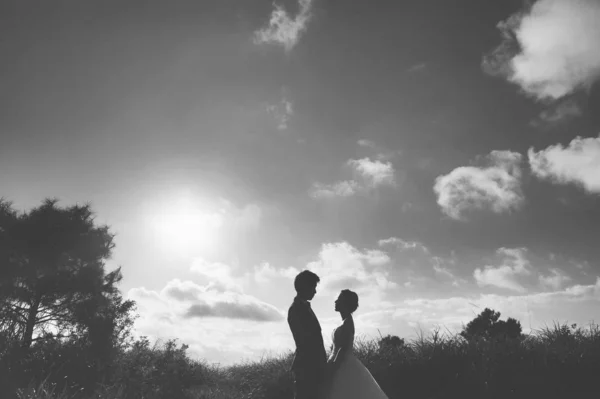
(341, 266)
(572, 303)
(402, 244)
(265, 273)
(235, 306)
(555, 280)
(374, 172)
(241, 326)
(283, 29)
(506, 275)
(366, 143)
(578, 163)
(497, 186)
(186, 299)
(561, 112)
(417, 67)
(219, 275)
(282, 112)
(550, 50)
(344, 188)
(368, 175)
(439, 268)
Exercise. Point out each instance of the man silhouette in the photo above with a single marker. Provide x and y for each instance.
(310, 359)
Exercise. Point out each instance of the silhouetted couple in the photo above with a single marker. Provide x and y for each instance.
(341, 375)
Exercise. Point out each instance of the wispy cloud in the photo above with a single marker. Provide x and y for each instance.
(402, 244)
(417, 67)
(238, 326)
(186, 299)
(506, 275)
(558, 113)
(284, 29)
(454, 312)
(555, 280)
(375, 173)
(345, 188)
(281, 112)
(266, 272)
(550, 49)
(219, 275)
(366, 143)
(577, 163)
(340, 266)
(441, 268)
(369, 174)
(234, 306)
(496, 186)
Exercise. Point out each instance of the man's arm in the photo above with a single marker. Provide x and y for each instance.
(297, 320)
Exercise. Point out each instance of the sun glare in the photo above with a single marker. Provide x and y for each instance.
(183, 227)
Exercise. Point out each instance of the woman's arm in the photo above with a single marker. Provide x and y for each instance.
(345, 343)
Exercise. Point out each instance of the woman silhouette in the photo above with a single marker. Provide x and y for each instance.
(347, 377)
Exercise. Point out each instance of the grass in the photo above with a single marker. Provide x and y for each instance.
(556, 362)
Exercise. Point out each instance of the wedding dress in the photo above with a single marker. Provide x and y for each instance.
(352, 380)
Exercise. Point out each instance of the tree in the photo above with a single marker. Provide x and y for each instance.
(488, 325)
(52, 277)
(391, 341)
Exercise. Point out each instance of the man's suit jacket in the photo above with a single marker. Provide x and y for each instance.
(310, 351)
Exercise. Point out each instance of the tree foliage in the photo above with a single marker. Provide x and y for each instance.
(487, 325)
(390, 341)
(53, 282)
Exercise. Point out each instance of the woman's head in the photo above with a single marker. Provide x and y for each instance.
(346, 302)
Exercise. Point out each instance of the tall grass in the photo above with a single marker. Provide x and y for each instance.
(559, 361)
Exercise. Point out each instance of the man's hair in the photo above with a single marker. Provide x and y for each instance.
(305, 280)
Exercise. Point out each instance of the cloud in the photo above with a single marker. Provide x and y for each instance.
(185, 299)
(370, 175)
(550, 49)
(560, 113)
(572, 303)
(235, 306)
(506, 275)
(458, 310)
(345, 188)
(402, 244)
(282, 113)
(375, 173)
(283, 29)
(555, 280)
(239, 326)
(578, 163)
(381, 153)
(440, 269)
(265, 273)
(341, 266)
(219, 275)
(417, 67)
(366, 143)
(497, 186)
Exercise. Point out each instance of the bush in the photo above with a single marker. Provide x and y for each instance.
(161, 371)
(556, 362)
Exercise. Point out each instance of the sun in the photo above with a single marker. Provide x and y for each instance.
(183, 227)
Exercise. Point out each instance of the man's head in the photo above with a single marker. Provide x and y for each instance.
(306, 284)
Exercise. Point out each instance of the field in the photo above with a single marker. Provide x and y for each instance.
(557, 362)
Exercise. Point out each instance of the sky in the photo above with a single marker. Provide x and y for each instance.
(435, 157)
